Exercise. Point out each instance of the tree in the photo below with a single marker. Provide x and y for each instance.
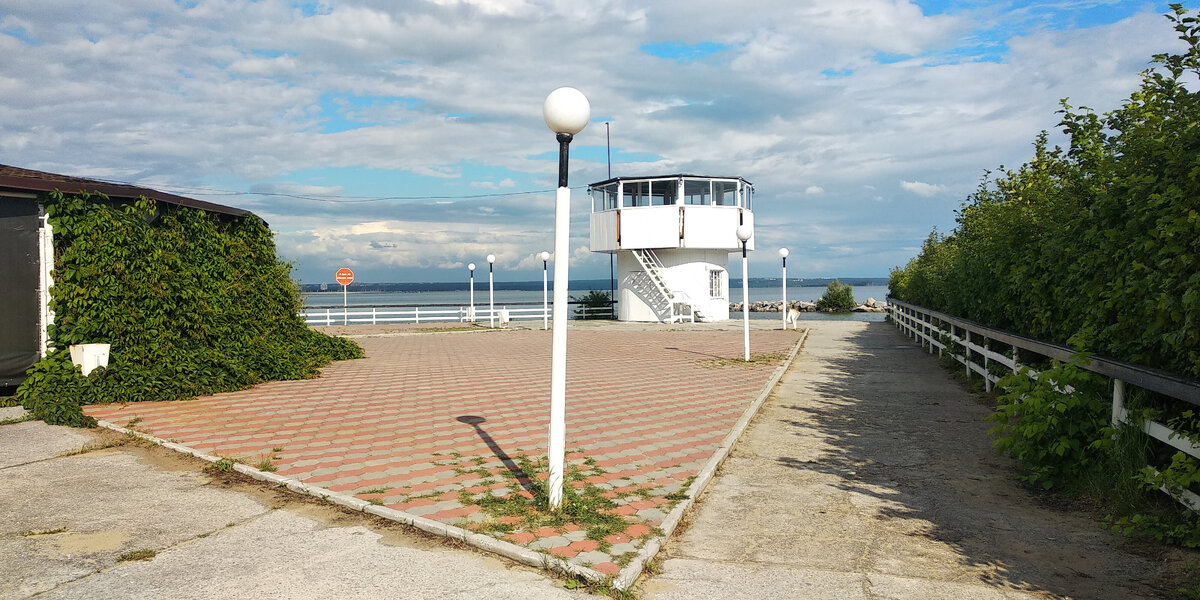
(838, 297)
(592, 304)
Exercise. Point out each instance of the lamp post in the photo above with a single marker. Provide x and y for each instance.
(566, 112)
(491, 258)
(783, 253)
(471, 269)
(545, 256)
(743, 234)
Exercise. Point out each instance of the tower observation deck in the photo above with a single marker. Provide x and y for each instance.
(672, 235)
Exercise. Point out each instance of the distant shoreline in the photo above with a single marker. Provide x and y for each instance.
(581, 284)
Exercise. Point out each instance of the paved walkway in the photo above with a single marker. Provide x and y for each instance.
(69, 516)
(869, 474)
(433, 424)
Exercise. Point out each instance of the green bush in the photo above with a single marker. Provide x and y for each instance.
(838, 297)
(191, 303)
(1057, 425)
(591, 305)
(1096, 245)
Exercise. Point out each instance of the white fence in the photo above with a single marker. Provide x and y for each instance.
(375, 315)
(933, 329)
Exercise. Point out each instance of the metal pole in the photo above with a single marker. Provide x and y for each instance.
(784, 310)
(556, 448)
(491, 299)
(608, 145)
(545, 305)
(345, 317)
(745, 304)
(471, 315)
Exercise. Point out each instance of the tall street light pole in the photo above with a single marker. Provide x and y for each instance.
(566, 112)
(545, 256)
(471, 269)
(491, 258)
(743, 235)
(783, 253)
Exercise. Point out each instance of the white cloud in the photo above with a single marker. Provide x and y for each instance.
(921, 188)
(443, 98)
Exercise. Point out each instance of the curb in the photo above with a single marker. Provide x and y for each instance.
(483, 542)
(628, 576)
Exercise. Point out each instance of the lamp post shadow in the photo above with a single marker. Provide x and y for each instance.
(523, 478)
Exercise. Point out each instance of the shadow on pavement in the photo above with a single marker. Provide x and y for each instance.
(521, 476)
(897, 427)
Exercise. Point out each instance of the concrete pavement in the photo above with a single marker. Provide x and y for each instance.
(869, 474)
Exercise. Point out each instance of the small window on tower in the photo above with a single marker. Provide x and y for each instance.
(716, 290)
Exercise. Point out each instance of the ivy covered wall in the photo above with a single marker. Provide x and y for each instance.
(191, 302)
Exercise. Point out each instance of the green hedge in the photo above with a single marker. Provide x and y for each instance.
(191, 302)
(1097, 245)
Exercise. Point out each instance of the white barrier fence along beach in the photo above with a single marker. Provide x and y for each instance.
(983, 346)
(376, 315)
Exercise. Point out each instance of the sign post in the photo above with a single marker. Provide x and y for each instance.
(345, 277)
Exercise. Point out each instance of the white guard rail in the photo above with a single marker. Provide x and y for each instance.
(933, 329)
(375, 315)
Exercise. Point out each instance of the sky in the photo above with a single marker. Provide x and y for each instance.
(405, 139)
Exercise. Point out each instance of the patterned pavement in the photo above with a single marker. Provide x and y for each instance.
(437, 424)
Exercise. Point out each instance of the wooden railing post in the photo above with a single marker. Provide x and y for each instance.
(1118, 406)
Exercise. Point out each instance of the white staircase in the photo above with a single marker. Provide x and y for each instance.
(673, 305)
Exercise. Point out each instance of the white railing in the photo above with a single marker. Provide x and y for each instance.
(376, 315)
(933, 329)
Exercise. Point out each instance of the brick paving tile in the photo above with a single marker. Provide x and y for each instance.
(608, 568)
(563, 552)
(636, 530)
(425, 415)
(584, 545)
(521, 537)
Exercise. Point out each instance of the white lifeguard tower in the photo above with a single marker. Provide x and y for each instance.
(672, 235)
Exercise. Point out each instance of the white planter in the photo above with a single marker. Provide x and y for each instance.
(89, 356)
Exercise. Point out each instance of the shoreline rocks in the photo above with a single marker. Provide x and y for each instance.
(870, 305)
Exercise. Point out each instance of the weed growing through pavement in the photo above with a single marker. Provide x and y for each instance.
(769, 359)
(127, 439)
(222, 465)
(41, 532)
(11, 420)
(526, 505)
(143, 554)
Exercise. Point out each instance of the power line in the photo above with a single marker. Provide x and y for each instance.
(339, 199)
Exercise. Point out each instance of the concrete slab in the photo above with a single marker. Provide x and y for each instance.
(30, 441)
(686, 579)
(286, 555)
(69, 517)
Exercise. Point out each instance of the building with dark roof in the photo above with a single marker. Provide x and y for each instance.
(27, 255)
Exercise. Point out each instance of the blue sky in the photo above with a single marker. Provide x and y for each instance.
(405, 139)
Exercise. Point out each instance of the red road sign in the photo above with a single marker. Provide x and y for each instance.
(344, 276)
